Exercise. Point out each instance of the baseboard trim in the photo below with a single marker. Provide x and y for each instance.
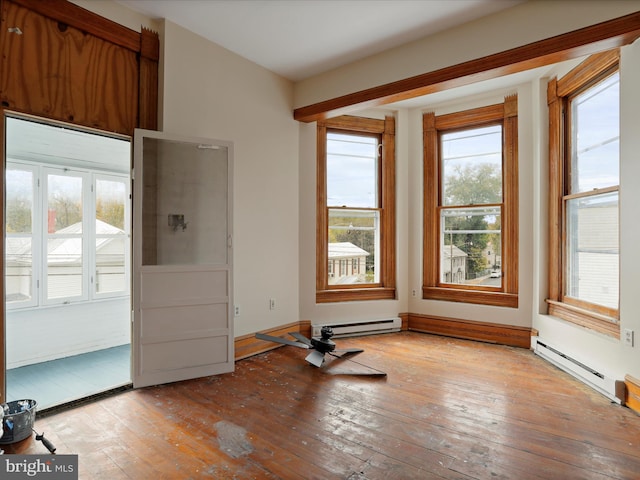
(632, 393)
(405, 321)
(248, 345)
(471, 330)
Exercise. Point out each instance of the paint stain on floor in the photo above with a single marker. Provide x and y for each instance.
(232, 439)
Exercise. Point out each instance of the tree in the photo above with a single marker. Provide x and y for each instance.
(18, 212)
(111, 212)
(67, 211)
(474, 184)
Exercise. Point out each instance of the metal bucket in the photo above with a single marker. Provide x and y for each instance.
(19, 417)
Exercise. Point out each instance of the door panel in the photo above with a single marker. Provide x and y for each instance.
(182, 258)
(171, 359)
(183, 284)
(201, 318)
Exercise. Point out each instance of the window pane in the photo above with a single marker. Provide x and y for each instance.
(20, 196)
(64, 204)
(110, 202)
(64, 267)
(472, 166)
(353, 247)
(110, 267)
(18, 270)
(596, 137)
(470, 246)
(593, 249)
(19, 206)
(352, 170)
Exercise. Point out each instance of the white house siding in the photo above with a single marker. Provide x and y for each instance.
(597, 269)
(454, 260)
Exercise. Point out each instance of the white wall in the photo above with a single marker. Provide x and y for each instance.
(40, 334)
(210, 92)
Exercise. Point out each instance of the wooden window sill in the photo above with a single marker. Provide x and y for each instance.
(584, 318)
(355, 294)
(496, 299)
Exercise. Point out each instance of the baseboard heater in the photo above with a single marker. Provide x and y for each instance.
(592, 377)
(365, 327)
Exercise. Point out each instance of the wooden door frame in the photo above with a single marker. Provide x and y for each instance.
(146, 47)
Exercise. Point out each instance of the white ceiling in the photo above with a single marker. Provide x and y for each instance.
(301, 38)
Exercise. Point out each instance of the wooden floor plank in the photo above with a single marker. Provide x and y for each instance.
(448, 409)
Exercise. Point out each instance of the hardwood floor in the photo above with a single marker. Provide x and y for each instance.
(448, 408)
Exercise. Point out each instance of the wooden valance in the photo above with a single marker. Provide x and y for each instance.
(62, 62)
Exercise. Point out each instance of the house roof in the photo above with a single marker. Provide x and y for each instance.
(449, 251)
(346, 250)
(63, 250)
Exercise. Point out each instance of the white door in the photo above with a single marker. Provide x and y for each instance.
(182, 288)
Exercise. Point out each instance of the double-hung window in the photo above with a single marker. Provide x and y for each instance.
(584, 154)
(355, 257)
(470, 205)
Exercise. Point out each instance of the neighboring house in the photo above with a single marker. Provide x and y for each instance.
(492, 255)
(596, 265)
(347, 263)
(454, 264)
(65, 262)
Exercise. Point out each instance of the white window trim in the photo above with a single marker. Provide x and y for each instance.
(40, 235)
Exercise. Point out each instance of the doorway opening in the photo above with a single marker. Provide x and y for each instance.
(67, 261)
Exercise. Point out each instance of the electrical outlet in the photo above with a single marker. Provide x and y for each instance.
(237, 311)
(627, 337)
(413, 293)
(272, 304)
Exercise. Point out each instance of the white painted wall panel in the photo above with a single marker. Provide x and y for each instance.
(41, 334)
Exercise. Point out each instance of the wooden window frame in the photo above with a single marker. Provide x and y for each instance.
(559, 91)
(433, 126)
(386, 288)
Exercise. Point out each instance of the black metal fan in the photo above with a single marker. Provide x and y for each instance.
(320, 346)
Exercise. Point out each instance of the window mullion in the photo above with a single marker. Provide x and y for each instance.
(89, 240)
